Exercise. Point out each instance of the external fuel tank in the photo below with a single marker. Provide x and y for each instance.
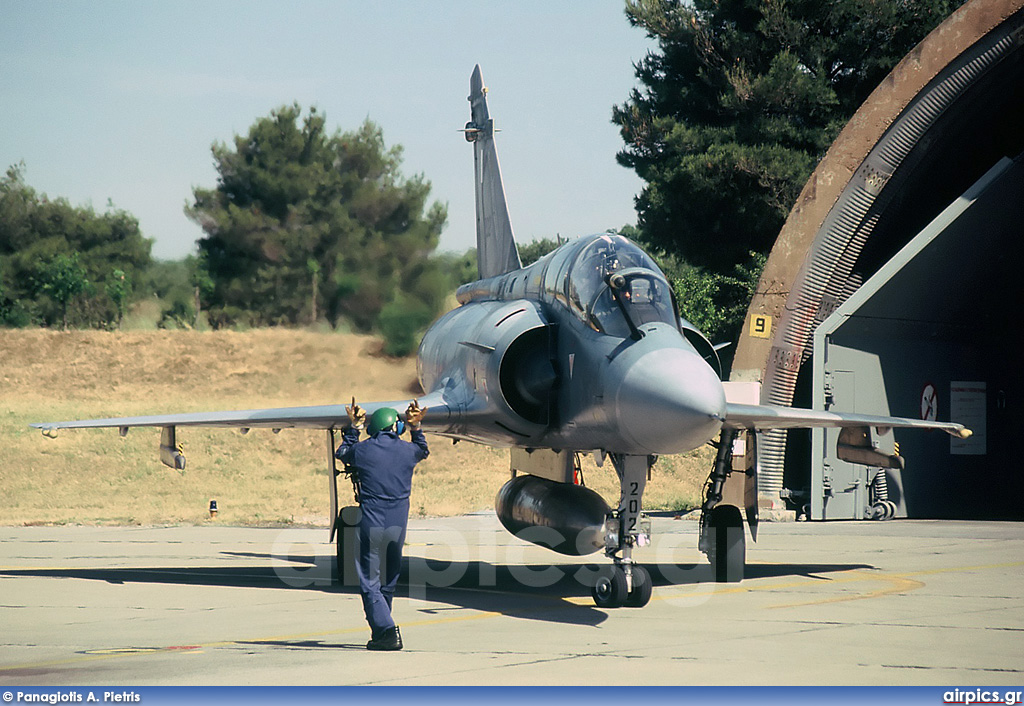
(564, 517)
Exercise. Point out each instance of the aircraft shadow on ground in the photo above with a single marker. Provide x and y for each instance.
(557, 593)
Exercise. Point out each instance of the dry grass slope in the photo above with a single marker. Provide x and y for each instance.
(96, 477)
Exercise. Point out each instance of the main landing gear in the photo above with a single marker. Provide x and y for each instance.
(722, 537)
(346, 521)
(626, 583)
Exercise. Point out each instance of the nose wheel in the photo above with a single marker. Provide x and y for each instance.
(640, 594)
(612, 590)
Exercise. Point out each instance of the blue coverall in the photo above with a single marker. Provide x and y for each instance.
(384, 464)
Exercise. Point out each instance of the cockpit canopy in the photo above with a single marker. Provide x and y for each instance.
(605, 280)
(642, 288)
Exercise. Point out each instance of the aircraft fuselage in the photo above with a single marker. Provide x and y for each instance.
(581, 350)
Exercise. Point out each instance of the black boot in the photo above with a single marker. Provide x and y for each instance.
(389, 640)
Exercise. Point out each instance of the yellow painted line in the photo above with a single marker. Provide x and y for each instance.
(897, 583)
(726, 591)
(113, 653)
(900, 583)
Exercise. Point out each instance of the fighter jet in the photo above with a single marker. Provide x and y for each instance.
(582, 352)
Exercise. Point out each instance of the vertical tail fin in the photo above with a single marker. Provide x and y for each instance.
(496, 251)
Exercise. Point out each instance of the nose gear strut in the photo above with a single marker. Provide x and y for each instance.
(626, 583)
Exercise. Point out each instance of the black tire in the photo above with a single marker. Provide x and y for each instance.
(891, 509)
(339, 556)
(728, 544)
(610, 588)
(642, 588)
(346, 549)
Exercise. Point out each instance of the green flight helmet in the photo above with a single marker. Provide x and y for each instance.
(383, 418)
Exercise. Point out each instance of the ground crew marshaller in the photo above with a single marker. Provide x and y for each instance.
(383, 464)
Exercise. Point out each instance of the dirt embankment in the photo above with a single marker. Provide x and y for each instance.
(94, 476)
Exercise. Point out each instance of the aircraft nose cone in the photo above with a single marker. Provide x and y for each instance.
(670, 401)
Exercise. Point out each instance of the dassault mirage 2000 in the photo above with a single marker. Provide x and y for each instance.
(581, 352)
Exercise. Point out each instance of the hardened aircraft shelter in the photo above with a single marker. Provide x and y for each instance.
(895, 287)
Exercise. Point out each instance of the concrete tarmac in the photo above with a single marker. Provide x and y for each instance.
(900, 602)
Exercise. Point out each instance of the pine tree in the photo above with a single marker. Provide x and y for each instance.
(740, 102)
(302, 222)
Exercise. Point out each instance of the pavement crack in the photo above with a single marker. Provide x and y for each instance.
(934, 666)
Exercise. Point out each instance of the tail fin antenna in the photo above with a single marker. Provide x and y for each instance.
(496, 251)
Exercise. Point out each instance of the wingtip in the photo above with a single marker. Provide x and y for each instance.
(965, 433)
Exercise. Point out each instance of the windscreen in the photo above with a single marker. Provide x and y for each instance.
(646, 294)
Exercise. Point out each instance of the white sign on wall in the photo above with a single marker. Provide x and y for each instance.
(929, 403)
(967, 406)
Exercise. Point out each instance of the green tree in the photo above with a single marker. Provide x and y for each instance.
(202, 284)
(119, 289)
(715, 303)
(401, 321)
(62, 278)
(313, 267)
(35, 229)
(167, 281)
(302, 221)
(12, 311)
(459, 268)
(535, 250)
(740, 101)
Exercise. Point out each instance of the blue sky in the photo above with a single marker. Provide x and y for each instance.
(122, 100)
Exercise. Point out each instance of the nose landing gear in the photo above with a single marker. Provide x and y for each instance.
(626, 583)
